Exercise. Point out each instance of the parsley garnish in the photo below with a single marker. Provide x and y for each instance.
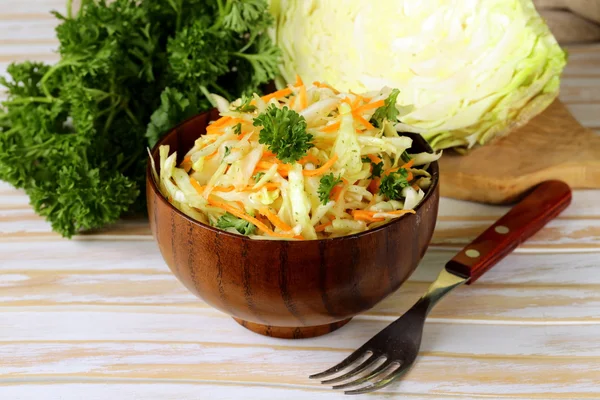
(388, 111)
(326, 185)
(231, 221)
(393, 183)
(258, 176)
(227, 151)
(284, 132)
(237, 129)
(377, 169)
(405, 157)
(245, 106)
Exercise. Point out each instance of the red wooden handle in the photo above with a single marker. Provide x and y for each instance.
(540, 206)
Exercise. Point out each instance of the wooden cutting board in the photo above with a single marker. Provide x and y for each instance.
(551, 146)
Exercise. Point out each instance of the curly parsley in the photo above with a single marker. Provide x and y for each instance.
(393, 183)
(284, 132)
(388, 111)
(231, 221)
(326, 185)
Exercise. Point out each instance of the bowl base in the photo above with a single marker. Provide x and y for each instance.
(301, 332)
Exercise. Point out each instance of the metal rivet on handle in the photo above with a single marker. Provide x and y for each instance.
(472, 253)
(501, 229)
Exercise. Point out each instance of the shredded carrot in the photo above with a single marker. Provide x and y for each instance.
(197, 186)
(298, 81)
(325, 86)
(336, 192)
(292, 102)
(208, 157)
(347, 101)
(363, 121)
(321, 228)
(363, 215)
(269, 186)
(186, 164)
(369, 106)
(268, 153)
(397, 212)
(374, 159)
(309, 159)
(219, 122)
(240, 205)
(410, 176)
(324, 168)
(409, 164)
(374, 185)
(415, 186)
(275, 220)
(277, 95)
(223, 189)
(332, 128)
(303, 98)
(241, 214)
(356, 101)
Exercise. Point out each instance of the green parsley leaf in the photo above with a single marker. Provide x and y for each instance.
(284, 132)
(388, 111)
(258, 176)
(366, 160)
(227, 151)
(245, 106)
(237, 129)
(174, 108)
(231, 221)
(377, 169)
(326, 185)
(393, 183)
(405, 156)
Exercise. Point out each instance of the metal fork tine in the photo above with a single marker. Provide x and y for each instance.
(338, 367)
(368, 377)
(382, 383)
(355, 371)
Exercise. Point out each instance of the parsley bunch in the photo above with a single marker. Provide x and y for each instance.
(73, 135)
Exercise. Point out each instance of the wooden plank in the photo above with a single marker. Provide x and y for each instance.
(588, 115)
(64, 258)
(102, 389)
(580, 89)
(520, 300)
(122, 325)
(549, 376)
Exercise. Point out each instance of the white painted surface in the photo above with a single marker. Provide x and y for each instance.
(101, 317)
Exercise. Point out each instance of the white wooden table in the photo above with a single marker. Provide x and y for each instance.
(101, 317)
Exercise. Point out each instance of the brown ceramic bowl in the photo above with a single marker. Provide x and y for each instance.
(290, 289)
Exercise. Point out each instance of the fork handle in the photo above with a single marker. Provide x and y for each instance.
(541, 205)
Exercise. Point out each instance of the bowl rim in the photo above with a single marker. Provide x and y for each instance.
(434, 167)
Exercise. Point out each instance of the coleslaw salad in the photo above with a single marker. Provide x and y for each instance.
(305, 162)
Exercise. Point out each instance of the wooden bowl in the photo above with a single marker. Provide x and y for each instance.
(288, 289)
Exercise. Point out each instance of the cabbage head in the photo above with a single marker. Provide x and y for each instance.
(468, 70)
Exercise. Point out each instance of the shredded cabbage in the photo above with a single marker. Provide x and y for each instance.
(332, 185)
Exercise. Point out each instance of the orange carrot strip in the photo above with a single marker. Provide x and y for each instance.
(374, 159)
(410, 176)
(363, 121)
(409, 164)
(309, 158)
(241, 214)
(374, 185)
(276, 95)
(199, 188)
(332, 128)
(324, 168)
(357, 100)
(268, 153)
(321, 228)
(208, 157)
(275, 220)
(325, 86)
(336, 193)
(369, 106)
(292, 102)
(186, 164)
(362, 215)
(303, 97)
(398, 212)
(223, 189)
(415, 186)
(298, 81)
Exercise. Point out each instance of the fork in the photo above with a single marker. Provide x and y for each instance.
(392, 352)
